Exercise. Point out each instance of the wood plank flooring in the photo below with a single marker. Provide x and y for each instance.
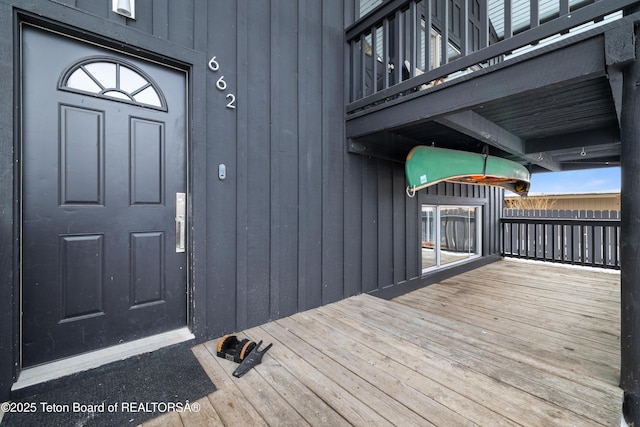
(509, 344)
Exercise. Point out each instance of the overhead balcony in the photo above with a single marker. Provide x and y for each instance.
(538, 82)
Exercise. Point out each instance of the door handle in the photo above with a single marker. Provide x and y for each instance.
(181, 226)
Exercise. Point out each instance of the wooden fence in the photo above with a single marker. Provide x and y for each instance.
(590, 238)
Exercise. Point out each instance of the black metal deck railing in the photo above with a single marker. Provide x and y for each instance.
(410, 45)
(587, 242)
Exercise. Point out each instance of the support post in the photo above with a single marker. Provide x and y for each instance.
(630, 242)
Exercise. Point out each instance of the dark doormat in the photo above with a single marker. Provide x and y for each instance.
(124, 393)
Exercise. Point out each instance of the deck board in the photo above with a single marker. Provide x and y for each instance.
(511, 343)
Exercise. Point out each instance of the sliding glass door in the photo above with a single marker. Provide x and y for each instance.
(450, 234)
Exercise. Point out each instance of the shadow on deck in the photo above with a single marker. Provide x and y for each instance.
(511, 343)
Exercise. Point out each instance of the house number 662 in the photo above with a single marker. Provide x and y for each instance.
(221, 84)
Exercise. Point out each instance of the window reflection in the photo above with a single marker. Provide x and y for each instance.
(103, 72)
(130, 81)
(81, 80)
(429, 237)
(458, 234)
(147, 96)
(366, 6)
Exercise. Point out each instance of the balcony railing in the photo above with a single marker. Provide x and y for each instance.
(403, 46)
(586, 242)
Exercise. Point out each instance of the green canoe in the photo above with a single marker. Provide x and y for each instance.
(427, 166)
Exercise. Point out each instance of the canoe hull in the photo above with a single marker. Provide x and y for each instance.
(426, 166)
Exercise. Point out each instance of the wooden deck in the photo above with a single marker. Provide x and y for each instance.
(512, 343)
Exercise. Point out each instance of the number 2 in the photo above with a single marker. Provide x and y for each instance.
(232, 103)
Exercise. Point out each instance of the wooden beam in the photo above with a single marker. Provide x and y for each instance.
(385, 146)
(630, 243)
(619, 48)
(616, 84)
(588, 138)
(574, 63)
(619, 45)
(474, 125)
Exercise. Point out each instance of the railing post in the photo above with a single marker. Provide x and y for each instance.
(398, 57)
(508, 31)
(444, 37)
(386, 32)
(363, 65)
(464, 38)
(374, 59)
(427, 35)
(534, 14)
(564, 7)
(413, 38)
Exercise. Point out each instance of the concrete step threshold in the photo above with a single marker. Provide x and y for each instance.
(71, 365)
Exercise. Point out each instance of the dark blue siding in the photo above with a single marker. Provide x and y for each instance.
(298, 222)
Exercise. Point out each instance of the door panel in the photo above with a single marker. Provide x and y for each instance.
(81, 154)
(147, 266)
(81, 276)
(147, 162)
(99, 264)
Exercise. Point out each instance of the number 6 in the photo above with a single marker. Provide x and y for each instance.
(221, 84)
(213, 64)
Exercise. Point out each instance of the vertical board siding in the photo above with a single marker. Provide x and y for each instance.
(400, 228)
(284, 148)
(180, 29)
(223, 216)
(353, 229)
(174, 21)
(99, 8)
(412, 241)
(153, 15)
(297, 222)
(333, 152)
(385, 226)
(258, 155)
(284, 155)
(310, 95)
(391, 224)
(242, 185)
(158, 21)
(369, 223)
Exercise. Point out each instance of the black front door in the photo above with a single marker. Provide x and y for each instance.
(103, 160)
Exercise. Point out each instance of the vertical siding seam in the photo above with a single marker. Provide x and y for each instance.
(322, 151)
(297, 157)
(273, 287)
(270, 94)
(300, 260)
(360, 177)
(298, 233)
(194, 18)
(241, 277)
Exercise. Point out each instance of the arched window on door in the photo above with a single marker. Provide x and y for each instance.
(113, 79)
